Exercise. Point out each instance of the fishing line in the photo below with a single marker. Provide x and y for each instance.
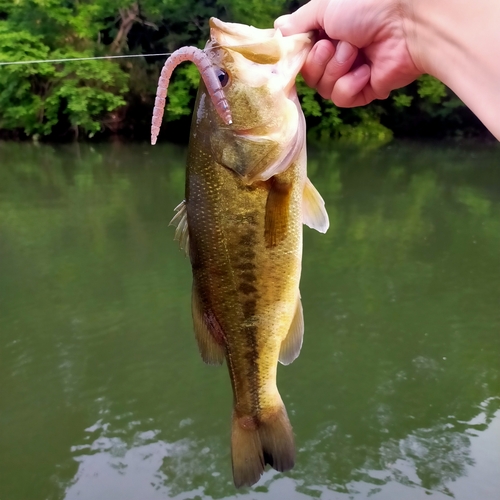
(82, 59)
(41, 61)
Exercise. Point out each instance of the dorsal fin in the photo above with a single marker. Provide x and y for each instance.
(313, 209)
(291, 345)
(182, 231)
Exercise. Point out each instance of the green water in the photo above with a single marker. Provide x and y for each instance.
(396, 394)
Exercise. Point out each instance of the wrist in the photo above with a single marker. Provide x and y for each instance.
(458, 42)
(417, 32)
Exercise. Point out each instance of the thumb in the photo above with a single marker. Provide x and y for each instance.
(302, 20)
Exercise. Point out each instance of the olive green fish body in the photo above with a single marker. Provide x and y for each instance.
(246, 277)
(247, 197)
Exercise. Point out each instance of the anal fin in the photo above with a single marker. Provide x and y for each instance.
(182, 231)
(313, 209)
(292, 343)
(208, 333)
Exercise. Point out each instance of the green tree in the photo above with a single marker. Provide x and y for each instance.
(35, 98)
(106, 96)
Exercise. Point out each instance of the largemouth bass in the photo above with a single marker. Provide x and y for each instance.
(247, 196)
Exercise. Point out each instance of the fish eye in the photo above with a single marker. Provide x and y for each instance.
(223, 77)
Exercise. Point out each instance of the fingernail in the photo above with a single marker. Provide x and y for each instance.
(322, 54)
(344, 52)
(281, 22)
(362, 72)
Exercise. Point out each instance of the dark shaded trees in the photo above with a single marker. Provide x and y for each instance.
(85, 98)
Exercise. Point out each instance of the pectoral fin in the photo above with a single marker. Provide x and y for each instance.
(208, 332)
(313, 209)
(182, 231)
(277, 212)
(291, 345)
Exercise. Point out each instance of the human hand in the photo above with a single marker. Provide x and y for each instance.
(365, 54)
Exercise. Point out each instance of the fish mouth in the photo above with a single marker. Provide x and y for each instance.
(264, 46)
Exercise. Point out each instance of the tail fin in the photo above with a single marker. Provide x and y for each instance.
(255, 443)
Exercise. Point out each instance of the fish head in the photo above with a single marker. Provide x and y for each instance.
(257, 69)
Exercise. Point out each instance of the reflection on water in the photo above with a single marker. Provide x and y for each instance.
(441, 461)
(396, 393)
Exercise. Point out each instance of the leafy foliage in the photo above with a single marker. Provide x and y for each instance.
(431, 89)
(61, 100)
(259, 13)
(35, 98)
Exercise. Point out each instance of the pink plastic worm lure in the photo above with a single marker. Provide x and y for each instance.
(209, 75)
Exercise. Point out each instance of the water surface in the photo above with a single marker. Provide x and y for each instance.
(396, 393)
